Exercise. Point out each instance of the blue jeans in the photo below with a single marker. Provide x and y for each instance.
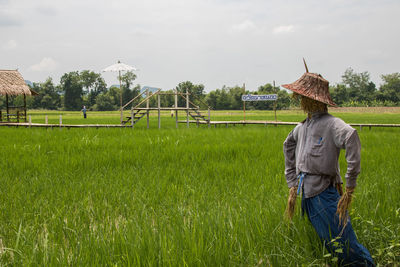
(321, 211)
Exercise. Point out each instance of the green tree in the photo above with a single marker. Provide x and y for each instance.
(49, 96)
(72, 87)
(212, 99)
(168, 100)
(108, 100)
(104, 102)
(235, 97)
(196, 93)
(284, 100)
(223, 101)
(390, 89)
(93, 85)
(128, 90)
(359, 86)
(339, 94)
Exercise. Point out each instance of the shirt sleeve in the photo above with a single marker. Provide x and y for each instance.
(347, 138)
(289, 150)
(353, 158)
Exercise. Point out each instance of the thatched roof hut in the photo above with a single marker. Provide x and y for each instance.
(12, 84)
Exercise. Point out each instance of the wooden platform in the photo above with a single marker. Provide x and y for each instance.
(276, 123)
(211, 123)
(43, 125)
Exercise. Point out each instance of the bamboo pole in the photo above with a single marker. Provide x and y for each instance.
(8, 118)
(25, 107)
(133, 99)
(275, 102)
(183, 96)
(176, 106)
(159, 112)
(147, 106)
(187, 108)
(209, 117)
(144, 100)
(244, 103)
(120, 95)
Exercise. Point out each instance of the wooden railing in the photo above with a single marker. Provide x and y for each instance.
(13, 114)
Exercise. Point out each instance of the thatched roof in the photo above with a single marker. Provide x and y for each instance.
(12, 83)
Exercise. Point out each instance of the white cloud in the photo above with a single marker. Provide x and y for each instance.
(46, 64)
(283, 29)
(10, 45)
(246, 25)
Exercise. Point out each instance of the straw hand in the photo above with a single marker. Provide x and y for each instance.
(291, 202)
(343, 205)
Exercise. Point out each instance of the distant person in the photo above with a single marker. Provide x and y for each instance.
(311, 152)
(84, 112)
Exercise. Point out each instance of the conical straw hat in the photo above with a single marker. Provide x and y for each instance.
(313, 86)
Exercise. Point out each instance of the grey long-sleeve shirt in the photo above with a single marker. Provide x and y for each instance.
(313, 147)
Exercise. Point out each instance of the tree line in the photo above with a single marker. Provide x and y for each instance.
(87, 88)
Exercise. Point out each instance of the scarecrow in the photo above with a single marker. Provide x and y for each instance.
(311, 167)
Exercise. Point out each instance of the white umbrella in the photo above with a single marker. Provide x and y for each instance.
(118, 68)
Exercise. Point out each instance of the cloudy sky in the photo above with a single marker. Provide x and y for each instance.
(213, 42)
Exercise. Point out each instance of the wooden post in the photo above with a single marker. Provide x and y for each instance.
(30, 121)
(147, 106)
(244, 103)
(1, 116)
(7, 109)
(25, 107)
(176, 106)
(120, 95)
(17, 115)
(60, 120)
(275, 103)
(132, 123)
(209, 117)
(159, 113)
(187, 108)
(46, 120)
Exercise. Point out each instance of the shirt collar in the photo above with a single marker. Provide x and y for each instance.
(316, 115)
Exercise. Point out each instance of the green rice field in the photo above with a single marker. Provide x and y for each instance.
(193, 196)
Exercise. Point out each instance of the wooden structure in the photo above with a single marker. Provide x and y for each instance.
(282, 123)
(12, 84)
(143, 108)
(211, 123)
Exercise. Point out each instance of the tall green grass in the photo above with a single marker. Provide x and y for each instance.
(187, 197)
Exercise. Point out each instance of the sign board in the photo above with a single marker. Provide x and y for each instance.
(272, 97)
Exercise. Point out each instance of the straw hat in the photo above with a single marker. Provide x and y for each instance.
(313, 86)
